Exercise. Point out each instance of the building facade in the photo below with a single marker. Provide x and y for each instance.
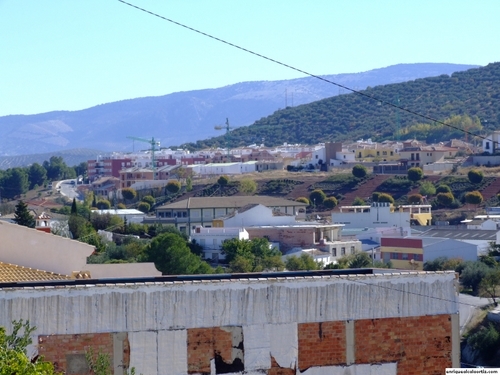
(328, 323)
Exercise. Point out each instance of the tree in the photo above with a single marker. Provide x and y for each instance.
(359, 171)
(303, 200)
(384, 197)
(304, 262)
(149, 199)
(317, 197)
(37, 175)
(79, 226)
(251, 255)
(415, 174)
(144, 207)
(74, 209)
(129, 194)
(427, 188)
(358, 202)
(103, 204)
(13, 352)
(359, 260)
(445, 199)
(490, 285)
(415, 198)
(15, 183)
(474, 197)
(442, 264)
(375, 196)
(171, 255)
(223, 180)
(443, 189)
(173, 187)
(189, 184)
(248, 186)
(475, 176)
(472, 274)
(22, 216)
(330, 203)
(57, 169)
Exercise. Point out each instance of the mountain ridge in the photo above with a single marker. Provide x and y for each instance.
(187, 116)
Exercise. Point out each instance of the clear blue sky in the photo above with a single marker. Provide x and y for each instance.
(70, 54)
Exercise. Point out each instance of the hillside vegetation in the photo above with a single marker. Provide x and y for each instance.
(474, 93)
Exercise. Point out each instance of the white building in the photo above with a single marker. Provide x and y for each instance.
(211, 239)
(382, 214)
(217, 169)
(491, 144)
(130, 214)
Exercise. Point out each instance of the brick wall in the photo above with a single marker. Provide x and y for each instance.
(420, 345)
(321, 344)
(416, 345)
(67, 352)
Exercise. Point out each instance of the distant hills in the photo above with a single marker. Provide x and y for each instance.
(189, 116)
(474, 93)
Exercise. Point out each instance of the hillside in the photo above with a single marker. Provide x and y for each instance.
(186, 116)
(475, 92)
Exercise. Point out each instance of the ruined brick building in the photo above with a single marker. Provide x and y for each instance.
(332, 322)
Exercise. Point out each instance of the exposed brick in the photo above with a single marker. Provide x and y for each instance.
(55, 348)
(205, 344)
(420, 345)
(321, 344)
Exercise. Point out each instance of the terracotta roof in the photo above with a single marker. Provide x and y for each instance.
(14, 273)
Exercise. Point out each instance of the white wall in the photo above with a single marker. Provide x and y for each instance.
(157, 315)
(258, 215)
(32, 248)
(376, 217)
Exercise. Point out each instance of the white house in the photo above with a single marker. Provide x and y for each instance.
(382, 214)
(211, 239)
(491, 142)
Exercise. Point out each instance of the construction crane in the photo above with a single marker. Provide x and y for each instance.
(228, 134)
(153, 144)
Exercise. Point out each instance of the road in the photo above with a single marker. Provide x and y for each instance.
(69, 190)
(468, 304)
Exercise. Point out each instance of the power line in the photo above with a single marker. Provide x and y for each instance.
(378, 100)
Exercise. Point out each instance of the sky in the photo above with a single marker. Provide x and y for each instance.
(75, 54)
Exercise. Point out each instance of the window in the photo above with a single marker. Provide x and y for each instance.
(487, 147)
(378, 153)
(405, 256)
(342, 251)
(334, 251)
(353, 249)
(384, 152)
(215, 242)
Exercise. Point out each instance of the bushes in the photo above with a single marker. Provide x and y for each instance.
(427, 188)
(317, 197)
(330, 203)
(474, 197)
(445, 199)
(475, 176)
(382, 197)
(415, 198)
(303, 200)
(415, 174)
(359, 171)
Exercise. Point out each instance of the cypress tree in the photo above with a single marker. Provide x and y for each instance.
(74, 209)
(22, 216)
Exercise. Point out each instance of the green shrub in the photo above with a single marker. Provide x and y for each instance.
(485, 341)
(359, 171)
(475, 176)
(317, 197)
(303, 200)
(330, 203)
